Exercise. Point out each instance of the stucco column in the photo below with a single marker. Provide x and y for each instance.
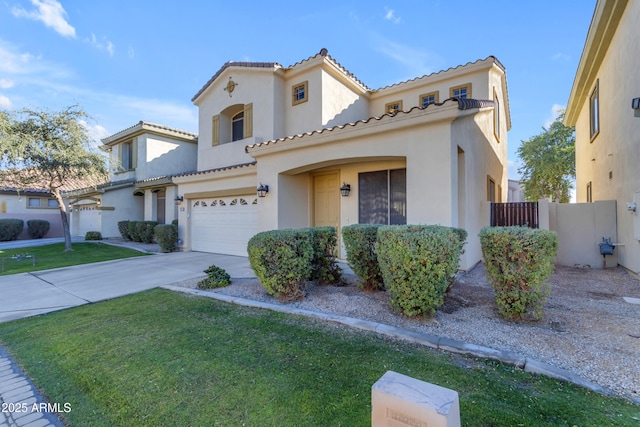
(150, 205)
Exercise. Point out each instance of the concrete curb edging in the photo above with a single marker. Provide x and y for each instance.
(436, 342)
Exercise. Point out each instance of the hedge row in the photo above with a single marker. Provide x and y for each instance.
(284, 260)
(10, 229)
(518, 261)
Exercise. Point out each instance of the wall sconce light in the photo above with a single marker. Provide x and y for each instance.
(99, 202)
(178, 200)
(345, 189)
(262, 190)
(631, 207)
(635, 104)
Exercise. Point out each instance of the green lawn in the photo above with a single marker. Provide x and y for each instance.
(163, 358)
(54, 256)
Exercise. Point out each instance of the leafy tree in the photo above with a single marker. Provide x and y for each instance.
(48, 150)
(548, 163)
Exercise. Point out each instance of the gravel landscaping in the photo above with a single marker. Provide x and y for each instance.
(588, 327)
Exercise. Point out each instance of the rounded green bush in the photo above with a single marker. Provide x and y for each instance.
(282, 261)
(418, 264)
(10, 229)
(37, 228)
(93, 235)
(518, 262)
(123, 228)
(166, 236)
(360, 243)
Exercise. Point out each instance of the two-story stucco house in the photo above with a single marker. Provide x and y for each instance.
(432, 150)
(607, 128)
(142, 159)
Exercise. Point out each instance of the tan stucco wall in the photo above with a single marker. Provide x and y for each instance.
(580, 228)
(616, 148)
(13, 206)
(160, 156)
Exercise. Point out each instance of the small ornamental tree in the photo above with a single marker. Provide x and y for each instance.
(48, 150)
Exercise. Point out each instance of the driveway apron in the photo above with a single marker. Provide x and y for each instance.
(30, 294)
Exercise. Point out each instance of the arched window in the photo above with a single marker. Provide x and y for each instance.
(237, 127)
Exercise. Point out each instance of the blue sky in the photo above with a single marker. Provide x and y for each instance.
(126, 61)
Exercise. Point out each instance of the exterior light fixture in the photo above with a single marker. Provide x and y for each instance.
(345, 189)
(262, 190)
(99, 202)
(635, 104)
(178, 200)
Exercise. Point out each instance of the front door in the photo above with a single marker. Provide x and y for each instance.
(326, 196)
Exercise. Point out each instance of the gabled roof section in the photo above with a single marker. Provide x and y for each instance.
(273, 65)
(324, 53)
(148, 127)
(463, 104)
(224, 168)
(604, 23)
(490, 59)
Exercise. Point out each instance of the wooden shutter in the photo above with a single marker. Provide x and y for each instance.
(215, 130)
(248, 120)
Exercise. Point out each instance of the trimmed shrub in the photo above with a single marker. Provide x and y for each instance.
(518, 262)
(37, 228)
(325, 270)
(174, 222)
(282, 260)
(166, 236)
(360, 242)
(93, 235)
(132, 227)
(418, 264)
(145, 230)
(216, 278)
(10, 229)
(123, 228)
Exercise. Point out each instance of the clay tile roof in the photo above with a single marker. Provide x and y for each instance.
(237, 166)
(234, 64)
(463, 104)
(143, 125)
(325, 53)
(41, 187)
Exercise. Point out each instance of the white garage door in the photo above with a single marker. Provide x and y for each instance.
(88, 219)
(223, 225)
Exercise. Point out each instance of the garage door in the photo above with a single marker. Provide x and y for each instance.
(223, 225)
(88, 219)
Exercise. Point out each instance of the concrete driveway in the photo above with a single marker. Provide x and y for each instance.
(30, 294)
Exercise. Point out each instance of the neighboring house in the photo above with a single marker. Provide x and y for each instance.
(141, 162)
(37, 203)
(431, 150)
(607, 130)
(515, 193)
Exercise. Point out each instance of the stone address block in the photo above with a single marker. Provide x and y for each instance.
(400, 401)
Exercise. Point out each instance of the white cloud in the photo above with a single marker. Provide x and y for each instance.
(556, 110)
(96, 132)
(418, 62)
(51, 13)
(5, 103)
(103, 44)
(391, 16)
(6, 83)
(131, 53)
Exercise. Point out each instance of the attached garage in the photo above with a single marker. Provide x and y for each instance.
(88, 219)
(223, 225)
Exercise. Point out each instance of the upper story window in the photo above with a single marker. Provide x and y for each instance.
(594, 111)
(462, 91)
(237, 127)
(393, 107)
(300, 93)
(428, 98)
(127, 156)
(232, 124)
